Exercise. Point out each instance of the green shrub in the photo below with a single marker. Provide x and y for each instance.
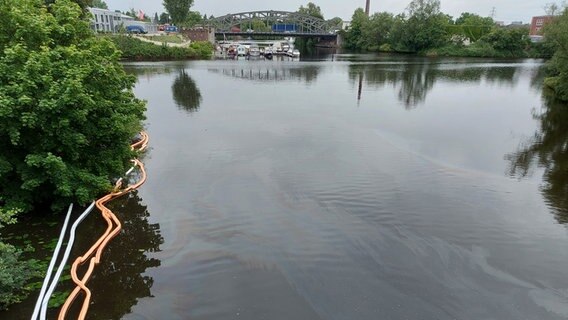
(67, 111)
(385, 48)
(14, 275)
(543, 50)
(136, 50)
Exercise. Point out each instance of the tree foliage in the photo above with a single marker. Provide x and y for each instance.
(258, 25)
(67, 109)
(164, 18)
(472, 26)
(14, 274)
(336, 21)
(354, 39)
(67, 117)
(557, 33)
(178, 9)
(424, 28)
(509, 40)
(99, 4)
(378, 30)
(193, 18)
(311, 9)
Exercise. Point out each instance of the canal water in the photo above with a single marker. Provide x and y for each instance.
(347, 187)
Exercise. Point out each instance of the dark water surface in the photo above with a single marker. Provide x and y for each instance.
(366, 187)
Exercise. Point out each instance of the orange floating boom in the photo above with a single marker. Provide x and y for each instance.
(93, 255)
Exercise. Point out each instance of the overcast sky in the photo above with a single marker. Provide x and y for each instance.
(505, 10)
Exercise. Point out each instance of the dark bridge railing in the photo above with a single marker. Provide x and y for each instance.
(303, 24)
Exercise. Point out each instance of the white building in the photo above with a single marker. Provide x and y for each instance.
(104, 20)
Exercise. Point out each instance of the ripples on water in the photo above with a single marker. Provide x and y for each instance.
(350, 190)
(367, 187)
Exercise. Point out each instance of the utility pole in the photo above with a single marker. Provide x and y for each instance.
(368, 8)
(493, 12)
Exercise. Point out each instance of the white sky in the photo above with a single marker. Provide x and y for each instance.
(506, 10)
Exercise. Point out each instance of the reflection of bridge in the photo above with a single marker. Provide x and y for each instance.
(271, 23)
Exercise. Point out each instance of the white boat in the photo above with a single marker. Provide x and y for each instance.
(285, 47)
(254, 51)
(241, 51)
(296, 53)
(268, 53)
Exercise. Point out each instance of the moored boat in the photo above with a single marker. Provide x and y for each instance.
(295, 53)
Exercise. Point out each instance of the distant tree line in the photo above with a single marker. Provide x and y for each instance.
(424, 28)
(556, 36)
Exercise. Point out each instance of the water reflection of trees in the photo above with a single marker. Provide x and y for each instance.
(186, 93)
(119, 282)
(415, 80)
(547, 149)
(308, 74)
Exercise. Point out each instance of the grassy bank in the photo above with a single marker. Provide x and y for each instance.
(485, 50)
(136, 50)
(165, 38)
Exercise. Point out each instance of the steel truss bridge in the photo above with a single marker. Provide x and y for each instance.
(304, 25)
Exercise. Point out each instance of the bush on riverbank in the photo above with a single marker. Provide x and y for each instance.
(67, 118)
(557, 34)
(165, 38)
(137, 50)
(14, 275)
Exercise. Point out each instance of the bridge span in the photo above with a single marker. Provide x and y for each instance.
(273, 23)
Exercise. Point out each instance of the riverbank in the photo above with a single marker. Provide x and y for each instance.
(134, 49)
(484, 50)
(477, 50)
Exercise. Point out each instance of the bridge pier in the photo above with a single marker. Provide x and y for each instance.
(339, 40)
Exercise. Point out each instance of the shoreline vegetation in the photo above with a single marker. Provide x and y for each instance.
(423, 29)
(134, 49)
(59, 76)
(68, 115)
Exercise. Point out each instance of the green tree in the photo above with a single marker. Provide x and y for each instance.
(193, 18)
(178, 10)
(156, 17)
(67, 116)
(337, 21)
(131, 13)
(512, 41)
(472, 26)
(304, 44)
(557, 33)
(354, 38)
(425, 27)
(378, 30)
(84, 4)
(99, 4)
(164, 18)
(311, 10)
(259, 26)
(67, 109)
